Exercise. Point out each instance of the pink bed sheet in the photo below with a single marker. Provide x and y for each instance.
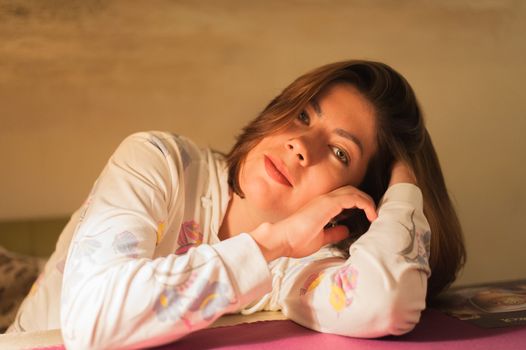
(435, 331)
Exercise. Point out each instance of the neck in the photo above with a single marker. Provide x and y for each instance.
(238, 218)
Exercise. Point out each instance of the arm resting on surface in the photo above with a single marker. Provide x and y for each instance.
(380, 290)
(116, 292)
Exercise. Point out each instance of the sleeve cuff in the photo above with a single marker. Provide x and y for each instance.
(246, 266)
(403, 192)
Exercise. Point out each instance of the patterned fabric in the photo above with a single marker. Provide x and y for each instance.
(17, 274)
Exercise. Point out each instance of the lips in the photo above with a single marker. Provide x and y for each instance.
(271, 167)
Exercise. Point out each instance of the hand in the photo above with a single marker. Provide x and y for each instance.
(402, 172)
(303, 233)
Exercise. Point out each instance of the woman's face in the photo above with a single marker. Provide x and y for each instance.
(327, 146)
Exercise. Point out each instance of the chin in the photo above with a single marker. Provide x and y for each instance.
(263, 196)
(259, 199)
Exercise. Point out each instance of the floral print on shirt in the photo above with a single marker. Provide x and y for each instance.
(190, 236)
(88, 246)
(419, 256)
(160, 232)
(61, 265)
(185, 156)
(312, 282)
(424, 247)
(342, 286)
(344, 282)
(36, 284)
(126, 243)
(214, 298)
(168, 307)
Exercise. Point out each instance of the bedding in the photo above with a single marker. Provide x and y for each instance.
(270, 331)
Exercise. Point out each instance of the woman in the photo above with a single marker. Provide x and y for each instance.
(172, 236)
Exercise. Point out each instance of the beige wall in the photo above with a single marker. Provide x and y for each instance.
(78, 76)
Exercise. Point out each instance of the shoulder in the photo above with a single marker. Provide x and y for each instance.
(166, 142)
(161, 145)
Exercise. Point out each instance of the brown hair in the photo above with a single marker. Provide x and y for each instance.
(401, 134)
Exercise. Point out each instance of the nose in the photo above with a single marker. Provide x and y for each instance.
(298, 146)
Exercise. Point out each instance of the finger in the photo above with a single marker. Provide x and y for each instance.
(364, 203)
(369, 209)
(350, 190)
(335, 234)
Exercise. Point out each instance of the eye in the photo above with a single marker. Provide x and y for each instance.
(304, 118)
(340, 154)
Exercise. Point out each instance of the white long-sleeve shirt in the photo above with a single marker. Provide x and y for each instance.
(140, 263)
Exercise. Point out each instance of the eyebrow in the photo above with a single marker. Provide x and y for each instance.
(338, 131)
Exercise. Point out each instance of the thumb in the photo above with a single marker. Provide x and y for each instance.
(335, 234)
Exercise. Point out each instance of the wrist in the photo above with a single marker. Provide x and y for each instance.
(403, 179)
(270, 244)
(402, 173)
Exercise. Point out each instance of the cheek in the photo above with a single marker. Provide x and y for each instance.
(247, 172)
(359, 174)
(327, 179)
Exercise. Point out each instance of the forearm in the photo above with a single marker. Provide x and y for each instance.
(270, 243)
(381, 288)
(104, 306)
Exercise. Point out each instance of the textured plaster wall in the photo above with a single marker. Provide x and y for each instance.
(78, 76)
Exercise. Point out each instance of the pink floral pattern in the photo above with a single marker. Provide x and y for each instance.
(61, 265)
(190, 236)
(344, 282)
(311, 283)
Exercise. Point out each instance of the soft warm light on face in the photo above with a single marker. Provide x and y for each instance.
(328, 146)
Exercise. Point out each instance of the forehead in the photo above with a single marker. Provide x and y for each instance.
(347, 95)
(345, 107)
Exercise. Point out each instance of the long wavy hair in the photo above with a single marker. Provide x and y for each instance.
(401, 134)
